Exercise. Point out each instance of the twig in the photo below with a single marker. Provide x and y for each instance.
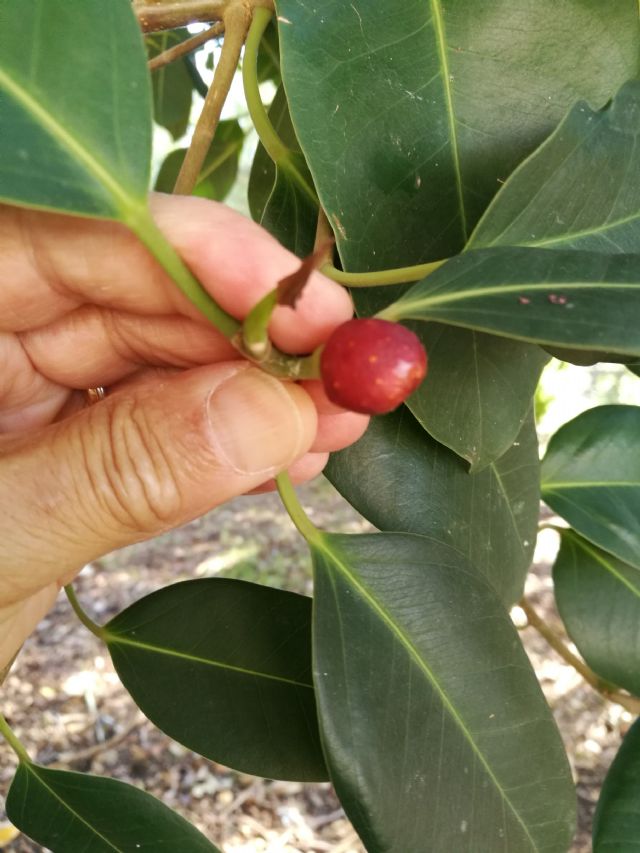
(630, 703)
(67, 758)
(236, 23)
(184, 47)
(167, 16)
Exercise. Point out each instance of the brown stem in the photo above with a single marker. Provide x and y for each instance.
(166, 16)
(236, 23)
(631, 703)
(184, 47)
(324, 238)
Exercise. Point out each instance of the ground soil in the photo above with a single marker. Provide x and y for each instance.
(66, 704)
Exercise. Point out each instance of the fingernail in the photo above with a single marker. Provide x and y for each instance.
(257, 425)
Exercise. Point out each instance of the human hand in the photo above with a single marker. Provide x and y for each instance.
(186, 424)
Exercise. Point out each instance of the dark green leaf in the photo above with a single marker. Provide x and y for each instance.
(428, 704)
(477, 392)
(410, 120)
(70, 812)
(598, 598)
(75, 107)
(414, 122)
(591, 477)
(224, 667)
(616, 824)
(402, 480)
(219, 169)
(580, 189)
(172, 84)
(634, 368)
(276, 199)
(563, 298)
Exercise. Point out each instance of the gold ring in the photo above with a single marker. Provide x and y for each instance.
(94, 395)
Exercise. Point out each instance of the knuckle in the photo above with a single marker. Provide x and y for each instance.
(135, 476)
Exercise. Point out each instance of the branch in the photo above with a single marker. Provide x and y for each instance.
(236, 23)
(184, 47)
(631, 703)
(167, 16)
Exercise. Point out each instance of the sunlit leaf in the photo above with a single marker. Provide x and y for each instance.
(75, 107)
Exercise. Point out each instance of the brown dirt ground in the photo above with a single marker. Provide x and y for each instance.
(66, 704)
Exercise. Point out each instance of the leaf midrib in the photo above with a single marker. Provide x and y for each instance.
(117, 639)
(32, 768)
(321, 543)
(438, 24)
(67, 142)
(404, 308)
(579, 542)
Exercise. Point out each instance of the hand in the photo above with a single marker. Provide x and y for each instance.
(186, 424)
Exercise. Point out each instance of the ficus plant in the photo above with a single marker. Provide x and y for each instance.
(478, 166)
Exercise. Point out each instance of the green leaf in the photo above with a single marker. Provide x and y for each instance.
(563, 298)
(276, 199)
(402, 480)
(409, 121)
(477, 392)
(172, 84)
(598, 598)
(428, 704)
(269, 55)
(634, 368)
(224, 667)
(68, 812)
(591, 477)
(219, 169)
(616, 824)
(75, 107)
(575, 191)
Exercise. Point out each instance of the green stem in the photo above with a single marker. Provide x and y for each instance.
(256, 325)
(294, 508)
(399, 275)
(274, 146)
(282, 156)
(80, 613)
(12, 740)
(149, 233)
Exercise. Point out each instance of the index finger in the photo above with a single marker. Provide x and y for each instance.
(54, 263)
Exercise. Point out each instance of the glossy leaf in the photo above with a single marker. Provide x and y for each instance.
(219, 169)
(580, 189)
(565, 298)
(415, 117)
(276, 200)
(75, 109)
(224, 667)
(478, 390)
(400, 479)
(591, 477)
(616, 823)
(68, 812)
(172, 84)
(598, 597)
(420, 674)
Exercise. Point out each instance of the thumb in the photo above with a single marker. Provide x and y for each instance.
(143, 460)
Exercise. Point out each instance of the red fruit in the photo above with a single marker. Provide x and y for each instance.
(371, 365)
